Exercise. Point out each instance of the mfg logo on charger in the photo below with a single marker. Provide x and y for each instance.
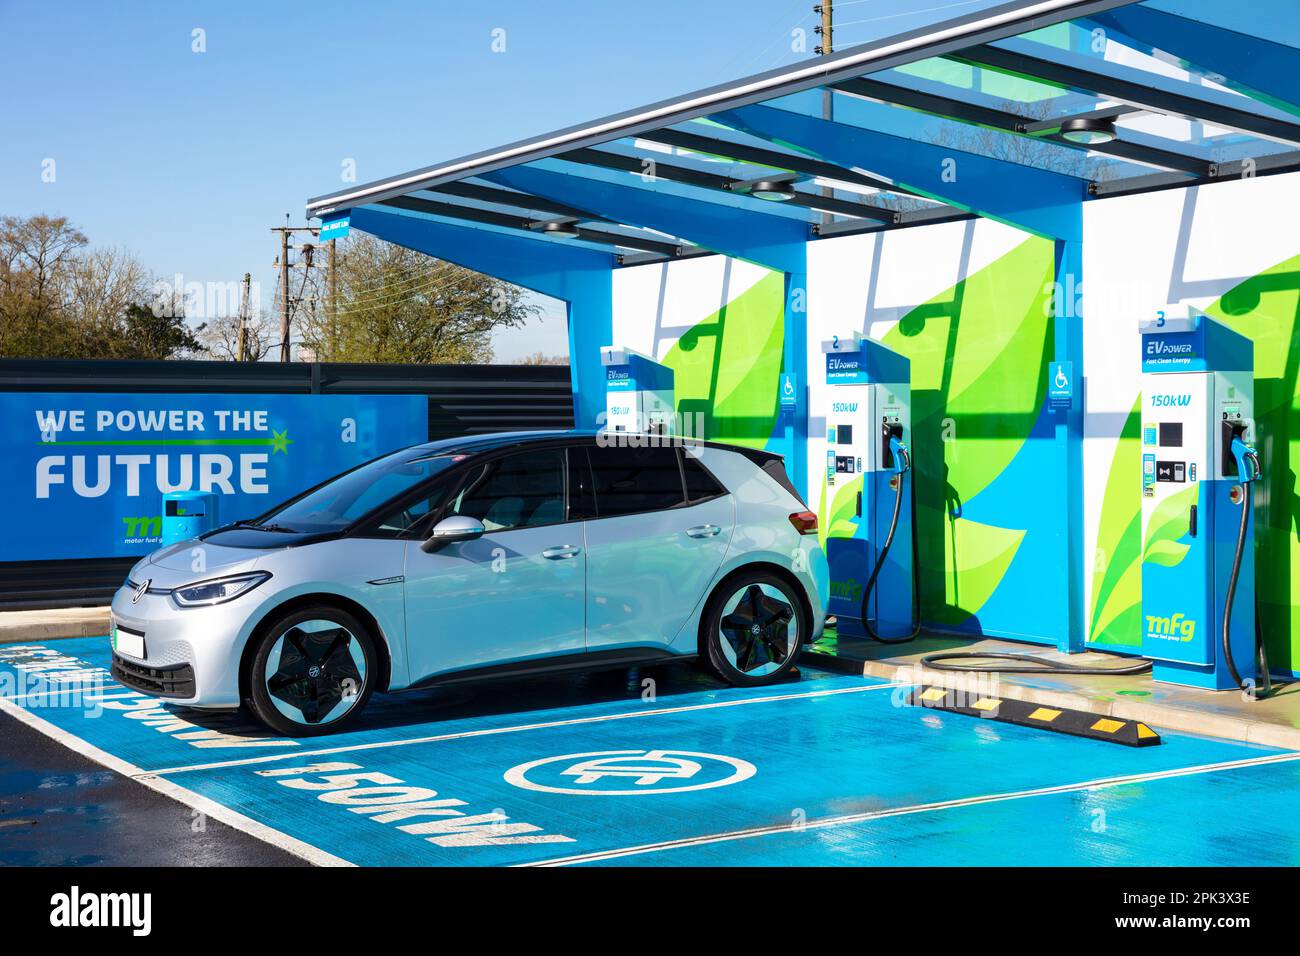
(1178, 628)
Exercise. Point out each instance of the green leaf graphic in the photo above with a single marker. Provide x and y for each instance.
(726, 366)
(1117, 582)
(1169, 523)
(1166, 553)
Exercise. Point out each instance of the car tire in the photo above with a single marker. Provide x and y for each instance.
(312, 671)
(731, 646)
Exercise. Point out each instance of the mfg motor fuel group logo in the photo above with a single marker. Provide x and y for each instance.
(626, 773)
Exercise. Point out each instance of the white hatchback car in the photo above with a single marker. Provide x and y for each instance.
(459, 560)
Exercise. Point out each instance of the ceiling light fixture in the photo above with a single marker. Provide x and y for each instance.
(560, 229)
(1086, 131)
(772, 190)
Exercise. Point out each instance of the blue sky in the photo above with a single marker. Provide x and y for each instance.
(187, 159)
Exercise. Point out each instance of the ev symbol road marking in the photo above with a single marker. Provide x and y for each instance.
(605, 772)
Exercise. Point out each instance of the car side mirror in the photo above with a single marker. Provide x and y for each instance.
(453, 529)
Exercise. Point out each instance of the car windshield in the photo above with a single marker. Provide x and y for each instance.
(338, 503)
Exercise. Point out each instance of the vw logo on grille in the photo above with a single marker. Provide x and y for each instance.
(141, 590)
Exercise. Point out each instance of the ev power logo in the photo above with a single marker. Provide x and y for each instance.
(847, 368)
(1163, 347)
(77, 909)
(1171, 349)
(630, 773)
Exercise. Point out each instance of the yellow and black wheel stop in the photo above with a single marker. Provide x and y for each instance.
(1080, 723)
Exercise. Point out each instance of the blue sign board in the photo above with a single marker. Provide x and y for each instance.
(334, 228)
(85, 473)
(1060, 384)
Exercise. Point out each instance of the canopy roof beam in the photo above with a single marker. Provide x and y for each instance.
(953, 109)
(703, 180)
(760, 156)
(505, 220)
(1135, 87)
(768, 240)
(1237, 58)
(508, 197)
(1026, 197)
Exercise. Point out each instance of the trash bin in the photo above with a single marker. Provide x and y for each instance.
(187, 514)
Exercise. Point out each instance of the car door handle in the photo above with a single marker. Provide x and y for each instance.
(703, 531)
(562, 552)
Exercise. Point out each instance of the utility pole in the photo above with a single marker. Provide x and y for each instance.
(826, 30)
(284, 293)
(286, 303)
(827, 46)
(332, 291)
(241, 348)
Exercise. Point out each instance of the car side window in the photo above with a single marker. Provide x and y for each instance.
(520, 491)
(408, 516)
(629, 480)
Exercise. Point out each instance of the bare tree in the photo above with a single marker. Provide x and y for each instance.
(36, 255)
(398, 305)
(220, 337)
(541, 358)
(59, 299)
(102, 285)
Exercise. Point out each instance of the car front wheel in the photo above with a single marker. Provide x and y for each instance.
(753, 627)
(312, 672)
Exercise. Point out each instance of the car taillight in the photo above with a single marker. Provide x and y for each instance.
(805, 522)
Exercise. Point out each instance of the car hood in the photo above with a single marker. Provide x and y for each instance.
(180, 556)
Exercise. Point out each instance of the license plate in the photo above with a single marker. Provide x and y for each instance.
(128, 642)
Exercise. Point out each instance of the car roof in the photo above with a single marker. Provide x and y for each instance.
(477, 444)
(467, 444)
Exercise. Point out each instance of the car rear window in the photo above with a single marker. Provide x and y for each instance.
(629, 480)
(700, 485)
(775, 469)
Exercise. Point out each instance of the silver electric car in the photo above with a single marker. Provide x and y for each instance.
(514, 554)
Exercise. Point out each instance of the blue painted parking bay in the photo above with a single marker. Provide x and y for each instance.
(824, 770)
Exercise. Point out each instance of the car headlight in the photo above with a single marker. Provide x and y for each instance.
(218, 590)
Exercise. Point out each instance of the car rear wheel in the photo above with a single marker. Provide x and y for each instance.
(753, 626)
(312, 672)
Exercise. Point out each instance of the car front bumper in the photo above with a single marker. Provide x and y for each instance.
(191, 655)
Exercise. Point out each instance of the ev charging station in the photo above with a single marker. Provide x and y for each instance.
(1198, 463)
(1035, 548)
(867, 433)
(638, 393)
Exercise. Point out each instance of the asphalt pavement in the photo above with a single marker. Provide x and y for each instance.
(58, 808)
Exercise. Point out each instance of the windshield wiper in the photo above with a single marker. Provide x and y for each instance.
(267, 527)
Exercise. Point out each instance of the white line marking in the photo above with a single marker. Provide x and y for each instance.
(847, 819)
(75, 690)
(490, 731)
(217, 811)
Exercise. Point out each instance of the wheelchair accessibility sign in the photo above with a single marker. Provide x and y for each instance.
(627, 773)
